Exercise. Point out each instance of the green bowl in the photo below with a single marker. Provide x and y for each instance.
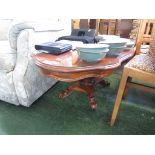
(115, 42)
(115, 51)
(92, 52)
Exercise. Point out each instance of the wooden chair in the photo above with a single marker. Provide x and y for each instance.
(145, 32)
(141, 67)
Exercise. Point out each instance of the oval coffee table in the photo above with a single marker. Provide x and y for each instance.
(85, 76)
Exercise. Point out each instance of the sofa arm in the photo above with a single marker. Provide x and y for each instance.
(17, 27)
(29, 83)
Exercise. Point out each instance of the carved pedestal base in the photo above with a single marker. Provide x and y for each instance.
(86, 86)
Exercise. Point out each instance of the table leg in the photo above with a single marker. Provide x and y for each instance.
(86, 86)
(102, 82)
(66, 93)
(91, 98)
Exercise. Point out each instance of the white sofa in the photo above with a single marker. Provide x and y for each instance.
(20, 81)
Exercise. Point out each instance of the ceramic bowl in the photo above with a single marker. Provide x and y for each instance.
(115, 42)
(130, 44)
(105, 37)
(92, 52)
(116, 50)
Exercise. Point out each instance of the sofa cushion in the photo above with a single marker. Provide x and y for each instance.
(4, 28)
(7, 57)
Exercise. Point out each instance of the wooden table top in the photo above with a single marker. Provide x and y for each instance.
(70, 62)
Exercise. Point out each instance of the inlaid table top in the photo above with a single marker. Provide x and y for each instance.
(69, 62)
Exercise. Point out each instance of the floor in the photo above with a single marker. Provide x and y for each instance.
(50, 115)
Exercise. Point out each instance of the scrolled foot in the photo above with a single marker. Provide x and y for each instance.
(62, 95)
(65, 93)
(93, 107)
(92, 101)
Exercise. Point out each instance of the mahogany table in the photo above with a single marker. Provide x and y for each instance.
(69, 68)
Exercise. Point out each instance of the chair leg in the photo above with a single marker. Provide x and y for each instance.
(126, 88)
(119, 95)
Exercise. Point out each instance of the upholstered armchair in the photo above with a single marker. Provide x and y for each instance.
(20, 81)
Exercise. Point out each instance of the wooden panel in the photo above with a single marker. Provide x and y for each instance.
(84, 23)
(76, 23)
(125, 27)
(108, 26)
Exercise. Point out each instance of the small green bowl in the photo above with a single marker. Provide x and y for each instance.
(92, 52)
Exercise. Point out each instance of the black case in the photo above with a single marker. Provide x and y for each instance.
(54, 47)
(84, 39)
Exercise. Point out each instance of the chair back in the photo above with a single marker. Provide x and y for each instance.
(144, 33)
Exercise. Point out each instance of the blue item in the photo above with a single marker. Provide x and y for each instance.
(54, 48)
(92, 52)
